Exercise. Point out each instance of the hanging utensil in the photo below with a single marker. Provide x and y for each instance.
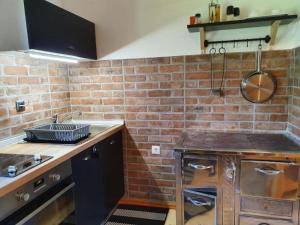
(258, 86)
(222, 51)
(212, 53)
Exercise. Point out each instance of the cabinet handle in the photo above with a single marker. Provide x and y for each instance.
(95, 149)
(87, 158)
(112, 142)
(263, 224)
(197, 203)
(200, 166)
(268, 171)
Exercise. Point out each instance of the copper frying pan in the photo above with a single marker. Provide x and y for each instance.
(258, 86)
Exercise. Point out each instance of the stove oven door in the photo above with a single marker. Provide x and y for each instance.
(51, 208)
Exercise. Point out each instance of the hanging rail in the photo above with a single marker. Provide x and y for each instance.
(267, 39)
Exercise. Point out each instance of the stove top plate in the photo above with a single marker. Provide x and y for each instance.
(18, 164)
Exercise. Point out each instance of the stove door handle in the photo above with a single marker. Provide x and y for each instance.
(46, 204)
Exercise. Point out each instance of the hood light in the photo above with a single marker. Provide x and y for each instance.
(53, 57)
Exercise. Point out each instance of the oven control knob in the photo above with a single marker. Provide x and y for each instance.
(23, 196)
(54, 177)
(12, 171)
(37, 157)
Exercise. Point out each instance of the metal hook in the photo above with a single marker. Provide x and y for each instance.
(222, 50)
(260, 46)
(213, 50)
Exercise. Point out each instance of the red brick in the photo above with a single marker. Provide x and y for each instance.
(15, 70)
(197, 76)
(146, 69)
(159, 93)
(171, 69)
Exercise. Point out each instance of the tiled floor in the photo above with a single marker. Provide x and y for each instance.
(171, 218)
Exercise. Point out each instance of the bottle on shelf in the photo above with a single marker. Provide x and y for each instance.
(230, 13)
(212, 11)
(217, 12)
(198, 18)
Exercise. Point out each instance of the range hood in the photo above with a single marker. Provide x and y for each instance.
(46, 31)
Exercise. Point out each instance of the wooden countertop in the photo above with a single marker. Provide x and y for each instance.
(238, 143)
(59, 152)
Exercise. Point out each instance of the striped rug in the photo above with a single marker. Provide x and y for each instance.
(138, 215)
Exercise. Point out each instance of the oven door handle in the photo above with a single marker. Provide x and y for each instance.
(268, 171)
(200, 166)
(197, 203)
(46, 204)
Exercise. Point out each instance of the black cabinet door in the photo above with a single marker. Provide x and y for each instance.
(89, 189)
(99, 180)
(113, 170)
(53, 29)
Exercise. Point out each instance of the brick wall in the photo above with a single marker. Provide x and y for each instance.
(43, 86)
(157, 97)
(294, 106)
(160, 97)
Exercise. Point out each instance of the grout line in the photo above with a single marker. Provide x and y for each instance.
(125, 138)
(68, 77)
(49, 89)
(184, 93)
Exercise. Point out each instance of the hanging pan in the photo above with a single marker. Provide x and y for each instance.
(258, 86)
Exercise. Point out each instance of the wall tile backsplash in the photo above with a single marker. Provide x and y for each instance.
(157, 97)
(43, 86)
(294, 106)
(160, 97)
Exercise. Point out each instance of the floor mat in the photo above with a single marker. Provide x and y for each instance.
(138, 215)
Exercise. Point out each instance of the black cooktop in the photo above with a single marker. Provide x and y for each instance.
(12, 165)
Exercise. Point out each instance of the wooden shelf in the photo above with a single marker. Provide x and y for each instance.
(245, 23)
(273, 21)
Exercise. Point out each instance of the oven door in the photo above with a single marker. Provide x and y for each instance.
(200, 206)
(51, 208)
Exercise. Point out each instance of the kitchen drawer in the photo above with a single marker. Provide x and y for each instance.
(267, 206)
(200, 171)
(245, 220)
(200, 205)
(278, 180)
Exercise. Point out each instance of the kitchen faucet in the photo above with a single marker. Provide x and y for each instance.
(60, 118)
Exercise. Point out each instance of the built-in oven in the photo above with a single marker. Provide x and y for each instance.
(200, 206)
(47, 200)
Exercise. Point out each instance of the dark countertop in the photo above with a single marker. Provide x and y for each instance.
(237, 143)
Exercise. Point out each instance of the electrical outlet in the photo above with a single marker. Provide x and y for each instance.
(20, 105)
(155, 150)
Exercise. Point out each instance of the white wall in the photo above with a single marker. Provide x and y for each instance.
(152, 28)
(56, 2)
(13, 32)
